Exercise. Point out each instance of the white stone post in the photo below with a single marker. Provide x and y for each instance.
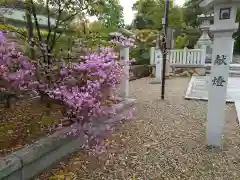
(168, 68)
(203, 57)
(223, 28)
(158, 61)
(185, 54)
(124, 58)
(152, 58)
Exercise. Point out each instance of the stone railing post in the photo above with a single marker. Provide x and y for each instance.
(152, 58)
(185, 58)
(158, 72)
(124, 58)
(203, 57)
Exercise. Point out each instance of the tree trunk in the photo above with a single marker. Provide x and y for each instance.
(30, 31)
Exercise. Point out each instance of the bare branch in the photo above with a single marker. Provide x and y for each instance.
(60, 10)
(36, 20)
(49, 25)
(58, 36)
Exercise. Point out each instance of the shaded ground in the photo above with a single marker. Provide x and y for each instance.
(166, 141)
(23, 123)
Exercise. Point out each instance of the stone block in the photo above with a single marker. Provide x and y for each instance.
(200, 71)
(9, 168)
(40, 148)
(36, 167)
(31, 161)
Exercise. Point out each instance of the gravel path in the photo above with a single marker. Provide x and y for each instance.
(165, 142)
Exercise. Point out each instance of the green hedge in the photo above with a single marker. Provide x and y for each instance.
(237, 46)
(139, 71)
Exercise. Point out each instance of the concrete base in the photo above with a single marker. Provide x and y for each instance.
(153, 71)
(198, 88)
(156, 82)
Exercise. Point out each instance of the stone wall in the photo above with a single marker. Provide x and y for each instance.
(27, 163)
(138, 71)
(189, 71)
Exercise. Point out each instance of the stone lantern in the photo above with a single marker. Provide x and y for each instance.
(204, 41)
(224, 26)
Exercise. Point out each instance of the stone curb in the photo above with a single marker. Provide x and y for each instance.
(34, 159)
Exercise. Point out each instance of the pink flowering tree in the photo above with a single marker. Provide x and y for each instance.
(87, 89)
(16, 71)
(123, 42)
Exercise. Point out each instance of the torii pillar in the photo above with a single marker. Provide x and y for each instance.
(223, 28)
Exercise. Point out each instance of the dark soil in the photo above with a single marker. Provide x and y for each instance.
(24, 122)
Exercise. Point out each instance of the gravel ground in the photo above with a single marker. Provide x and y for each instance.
(165, 142)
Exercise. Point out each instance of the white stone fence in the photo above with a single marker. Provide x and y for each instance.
(182, 57)
(176, 58)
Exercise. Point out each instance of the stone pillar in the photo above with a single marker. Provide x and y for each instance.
(124, 58)
(158, 71)
(203, 58)
(223, 28)
(152, 52)
(168, 68)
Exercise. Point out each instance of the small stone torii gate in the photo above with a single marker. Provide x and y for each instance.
(223, 28)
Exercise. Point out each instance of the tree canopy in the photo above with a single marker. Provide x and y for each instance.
(150, 13)
(191, 10)
(111, 13)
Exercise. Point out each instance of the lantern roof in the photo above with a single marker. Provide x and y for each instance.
(209, 3)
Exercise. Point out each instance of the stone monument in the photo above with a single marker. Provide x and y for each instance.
(223, 28)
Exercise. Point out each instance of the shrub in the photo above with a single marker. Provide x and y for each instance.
(16, 71)
(141, 54)
(86, 89)
(181, 42)
(144, 39)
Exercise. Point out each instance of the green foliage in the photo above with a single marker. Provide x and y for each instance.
(146, 36)
(191, 10)
(144, 40)
(141, 55)
(150, 13)
(98, 27)
(111, 14)
(5, 27)
(64, 42)
(5, 2)
(95, 42)
(95, 35)
(181, 42)
(237, 35)
(237, 45)
(192, 35)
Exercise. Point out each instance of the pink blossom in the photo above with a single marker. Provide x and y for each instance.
(87, 89)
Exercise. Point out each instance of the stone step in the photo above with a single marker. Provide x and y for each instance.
(234, 69)
(233, 73)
